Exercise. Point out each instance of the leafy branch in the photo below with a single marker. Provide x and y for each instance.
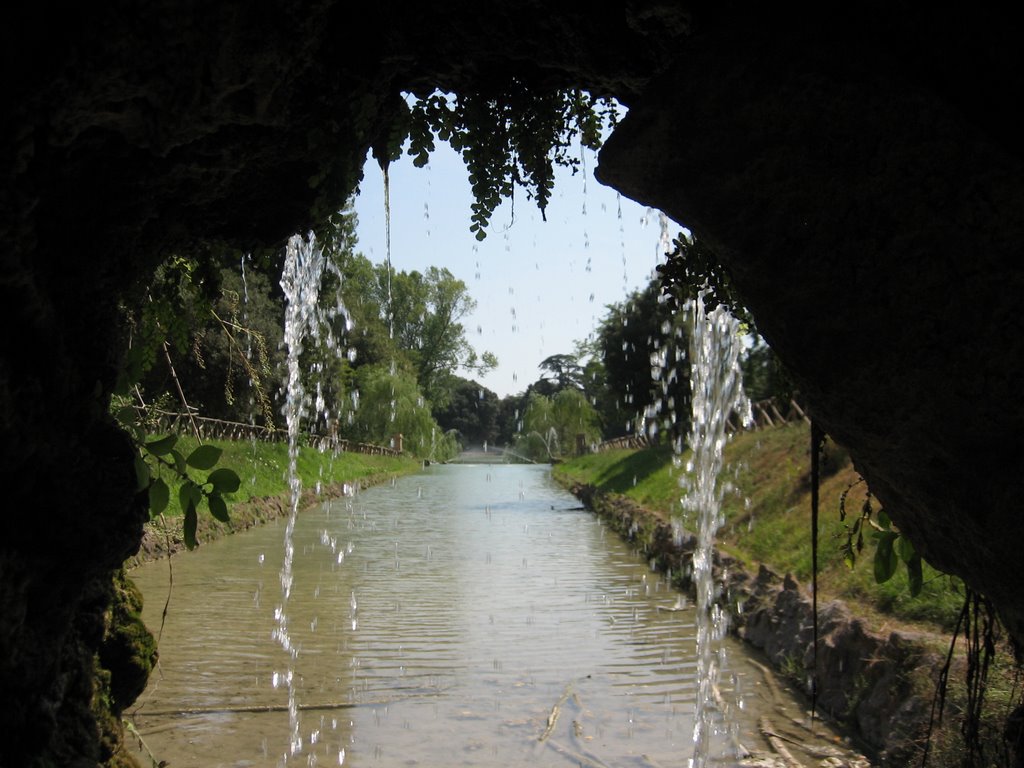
(255, 373)
(158, 456)
(692, 267)
(511, 135)
(891, 546)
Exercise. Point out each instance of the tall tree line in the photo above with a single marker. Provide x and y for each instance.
(387, 366)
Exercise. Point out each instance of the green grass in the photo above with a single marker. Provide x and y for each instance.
(262, 468)
(641, 475)
(768, 518)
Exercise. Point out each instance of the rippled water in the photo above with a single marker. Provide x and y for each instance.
(470, 615)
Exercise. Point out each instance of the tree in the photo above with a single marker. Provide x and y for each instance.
(564, 369)
(594, 380)
(574, 416)
(390, 403)
(644, 347)
(406, 316)
(472, 412)
(551, 424)
(426, 310)
(539, 438)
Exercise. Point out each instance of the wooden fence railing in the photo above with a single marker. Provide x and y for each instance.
(773, 413)
(219, 429)
(627, 441)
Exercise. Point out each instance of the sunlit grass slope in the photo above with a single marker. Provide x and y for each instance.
(768, 516)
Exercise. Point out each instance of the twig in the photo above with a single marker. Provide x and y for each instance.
(776, 743)
(770, 681)
(181, 392)
(130, 727)
(271, 708)
(256, 708)
(170, 580)
(250, 369)
(817, 443)
(555, 711)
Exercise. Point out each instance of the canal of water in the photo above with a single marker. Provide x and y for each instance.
(470, 615)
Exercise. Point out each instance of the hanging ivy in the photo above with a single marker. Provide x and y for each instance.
(508, 137)
(692, 267)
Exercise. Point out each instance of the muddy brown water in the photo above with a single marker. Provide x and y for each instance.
(470, 615)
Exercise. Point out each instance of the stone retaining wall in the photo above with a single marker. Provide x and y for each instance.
(868, 681)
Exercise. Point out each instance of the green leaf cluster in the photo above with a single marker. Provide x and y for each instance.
(694, 268)
(891, 547)
(159, 466)
(509, 135)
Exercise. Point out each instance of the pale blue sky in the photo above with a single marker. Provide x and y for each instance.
(538, 285)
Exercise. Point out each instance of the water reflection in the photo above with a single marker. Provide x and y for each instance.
(470, 615)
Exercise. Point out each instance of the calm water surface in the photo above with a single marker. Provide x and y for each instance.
(466, 616)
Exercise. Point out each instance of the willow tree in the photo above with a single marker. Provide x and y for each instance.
(552, 425)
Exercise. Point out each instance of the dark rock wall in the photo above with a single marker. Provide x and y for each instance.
(860, 182)
(131, 131)
(126, 136)
(860, 176)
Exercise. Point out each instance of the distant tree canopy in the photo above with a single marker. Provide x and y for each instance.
(551, 424)
(564, 370)
(633, 372)
(224, 337)
(401, 341)
(638, 371)
(644, 348)
(472, 411)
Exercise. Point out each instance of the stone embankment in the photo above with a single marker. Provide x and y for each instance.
(866, 678)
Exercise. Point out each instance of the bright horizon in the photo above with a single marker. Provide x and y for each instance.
(539, 286)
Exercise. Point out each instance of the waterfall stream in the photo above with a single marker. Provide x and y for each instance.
(717, 387)
(304, 320)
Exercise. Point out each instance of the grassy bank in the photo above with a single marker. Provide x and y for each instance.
(768, 517)
(264, 493)
(767, 520)
(262, 468)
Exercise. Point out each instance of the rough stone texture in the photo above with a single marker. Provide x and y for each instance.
(860, 174)
(865, 679)
(862, 181)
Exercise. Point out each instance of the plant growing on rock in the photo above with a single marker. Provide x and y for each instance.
(159, 466)
(510, 134)
(891, 546)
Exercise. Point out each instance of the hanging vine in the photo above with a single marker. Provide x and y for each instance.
(693, 267)
(891, 546)
(509, 136)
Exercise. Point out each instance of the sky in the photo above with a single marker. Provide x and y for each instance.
(539, 286)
